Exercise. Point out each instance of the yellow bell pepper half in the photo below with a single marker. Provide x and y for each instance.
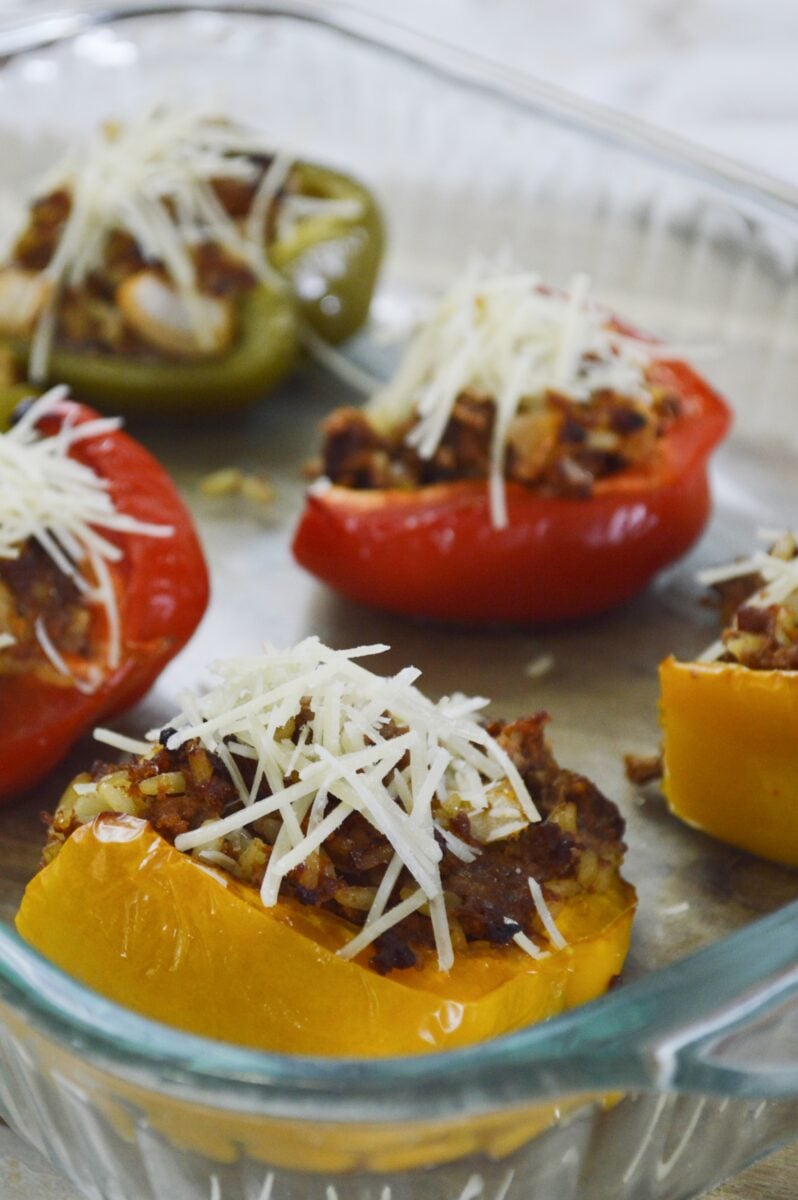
(731, 753)
(123, 911)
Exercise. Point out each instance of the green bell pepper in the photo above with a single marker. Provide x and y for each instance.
(265, 349)
(12, 395)
(330, 264)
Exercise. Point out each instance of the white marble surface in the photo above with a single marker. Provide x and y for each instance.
(719, 72)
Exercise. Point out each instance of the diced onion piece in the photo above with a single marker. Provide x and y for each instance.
(193, 326)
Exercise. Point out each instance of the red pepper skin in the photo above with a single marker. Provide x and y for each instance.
(432, 552)
(162, 592)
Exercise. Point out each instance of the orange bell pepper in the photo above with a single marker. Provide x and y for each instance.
(145, 925)
(731, 753)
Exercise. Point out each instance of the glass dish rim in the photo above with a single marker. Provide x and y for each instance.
(628, 1040)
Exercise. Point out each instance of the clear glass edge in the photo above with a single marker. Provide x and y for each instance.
(629, 1040)
(663, 1032)
(478, 72)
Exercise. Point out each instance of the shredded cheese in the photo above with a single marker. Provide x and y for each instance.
(336, 362)
(505, 335)
(153, 178)
(57, 660)
(120, 741)
(368, 744)
(544, 912)
(777, 566)
(49, 496)
(529, 946)
(374, 929)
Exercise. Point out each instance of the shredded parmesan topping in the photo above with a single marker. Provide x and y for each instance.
(374, 745)
(525, 942)
(507, 336)
(153, 179)
(777, 566)
(61, 503)
(547, 920)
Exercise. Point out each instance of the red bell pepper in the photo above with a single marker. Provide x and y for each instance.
(161, 587)
(433, 552)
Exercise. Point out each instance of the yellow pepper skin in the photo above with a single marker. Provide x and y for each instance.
(266, 347)
(333, 262)
(126, 913)
(731, 753)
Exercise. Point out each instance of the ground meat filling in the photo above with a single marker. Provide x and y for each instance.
(760, 637)
(32, 590)
(763, 638)
(561, 447)
(577, 847)
(89, 318)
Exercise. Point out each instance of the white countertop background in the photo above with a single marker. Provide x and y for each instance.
(723, 73)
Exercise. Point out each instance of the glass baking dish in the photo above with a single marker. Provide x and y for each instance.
(689, 1070)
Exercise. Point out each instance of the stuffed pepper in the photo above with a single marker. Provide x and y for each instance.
(532, 460)
(730, 718)
(173, 263)
(315, 859)
(102, 580)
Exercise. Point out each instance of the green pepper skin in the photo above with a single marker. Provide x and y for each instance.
(266, 347)
(11, 396)
(332, 263)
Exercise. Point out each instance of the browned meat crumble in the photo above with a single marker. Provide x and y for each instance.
(89, 317)
(561, 448)
(760, 637)
(577, 847)
(32, 587)
(641, 769)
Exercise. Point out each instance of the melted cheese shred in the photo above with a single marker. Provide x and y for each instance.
(777, 566)
(368, 744)
(153, 178)
(506, 336)
(48, 496)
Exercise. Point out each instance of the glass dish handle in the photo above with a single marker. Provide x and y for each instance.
(723, 1021)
